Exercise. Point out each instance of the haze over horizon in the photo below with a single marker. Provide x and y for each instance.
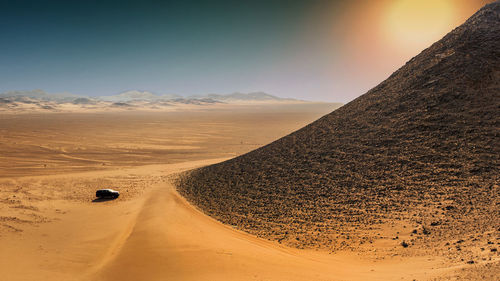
(312, 50)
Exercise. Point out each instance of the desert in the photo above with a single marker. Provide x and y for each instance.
(52, 163)
(409, 168)
(52, 230)
(140, 160)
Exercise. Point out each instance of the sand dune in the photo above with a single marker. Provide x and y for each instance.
(159, 236)
(418, 155)
(203, 249)
(409, 168)
(51, 230)
(401, 183)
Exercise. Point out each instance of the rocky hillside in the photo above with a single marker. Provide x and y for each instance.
(421, 150)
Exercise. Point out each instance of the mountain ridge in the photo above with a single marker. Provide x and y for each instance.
(136, 95)
(39, 100)
(421, 148)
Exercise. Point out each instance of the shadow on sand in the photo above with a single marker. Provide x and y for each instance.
(97, 200)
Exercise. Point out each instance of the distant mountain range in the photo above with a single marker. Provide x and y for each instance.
(38, 95)
(138, 96)
(19, 101)
(257, 96)
(135, 95)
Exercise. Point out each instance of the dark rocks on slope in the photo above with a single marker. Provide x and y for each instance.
(427, 134)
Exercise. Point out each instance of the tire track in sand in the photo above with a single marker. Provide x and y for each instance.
(170, 240)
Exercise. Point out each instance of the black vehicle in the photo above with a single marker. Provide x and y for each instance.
(107, 193)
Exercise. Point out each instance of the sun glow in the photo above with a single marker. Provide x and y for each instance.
(375, 38)
(412, 23)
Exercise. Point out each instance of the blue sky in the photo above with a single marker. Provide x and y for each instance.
(287, 48)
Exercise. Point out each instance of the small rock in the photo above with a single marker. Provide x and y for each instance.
(425, 231)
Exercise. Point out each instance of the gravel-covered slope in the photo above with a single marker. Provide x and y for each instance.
(423, 146)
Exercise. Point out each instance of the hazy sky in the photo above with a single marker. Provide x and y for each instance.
(315, 50)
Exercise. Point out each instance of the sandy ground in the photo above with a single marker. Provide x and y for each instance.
(51, 228)
(50, 143)
(159, 236)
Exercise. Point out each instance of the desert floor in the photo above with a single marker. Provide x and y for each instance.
(51, 228)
